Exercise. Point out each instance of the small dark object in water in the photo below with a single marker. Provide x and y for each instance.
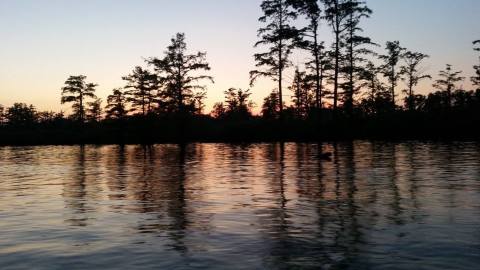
(326, 156)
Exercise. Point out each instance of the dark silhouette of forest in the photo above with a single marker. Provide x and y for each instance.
(344, 90)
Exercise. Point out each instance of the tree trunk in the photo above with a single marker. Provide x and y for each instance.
(449, 97)
(337, 63)
(351, 69)
(82, 110)
(393, 87)
(280, 64)
(410, 97)
(143, 104)
(317, 70)
(280, 77)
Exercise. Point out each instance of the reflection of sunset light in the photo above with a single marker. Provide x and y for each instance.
(209, 197)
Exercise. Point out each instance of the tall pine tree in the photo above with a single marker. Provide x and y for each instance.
(302, 97)
(390, 67)
(413, 74)
(310, 42)
(116, 105)
(476, 79)
(141, 90)
(355, 49)
(181, 75)
(77, 91)
(448, 82)
(279, 36)
(336, 13)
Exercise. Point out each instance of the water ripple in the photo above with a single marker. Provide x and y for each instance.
(376, 205)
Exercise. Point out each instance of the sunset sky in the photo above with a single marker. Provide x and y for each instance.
(42, 42)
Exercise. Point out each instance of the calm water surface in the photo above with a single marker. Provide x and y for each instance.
(260, 206)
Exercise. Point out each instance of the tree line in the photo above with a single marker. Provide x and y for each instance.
(344, 81)
(347, 77)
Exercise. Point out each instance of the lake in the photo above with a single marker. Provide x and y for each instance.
(375, 205)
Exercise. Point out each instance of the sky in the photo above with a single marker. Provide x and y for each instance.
(42, 42)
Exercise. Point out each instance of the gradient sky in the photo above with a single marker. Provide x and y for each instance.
(42, 42)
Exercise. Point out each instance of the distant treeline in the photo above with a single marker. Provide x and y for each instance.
(343, 90)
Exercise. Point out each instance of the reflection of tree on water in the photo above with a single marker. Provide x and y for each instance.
(117, 182)
(145, 184)
(477, 177)
(322, 229)
(281, 249)
(347, 234)
(161, 193)
(353, 235)
(75, 191)
(312, 189)
(448, 155)
(391, 155)
(413, 179)
(177, 208)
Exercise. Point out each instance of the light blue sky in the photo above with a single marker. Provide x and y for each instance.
(44, 41)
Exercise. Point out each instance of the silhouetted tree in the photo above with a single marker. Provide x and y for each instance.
(45, 117)
(179, 73)
(476, 42)
(94, 111)
(447, 82)
(271, 106)
(50, 118)
(369, 75)
(435, 102)
(175, 86)
(21, 114)
(116, 105)
(77, 91)
(141, 90)
(463, 100)
(377, 95)
(355, 49)
(336, 14)
(416, 102)
(311, 43)
(2, 114)
(413, 75)
(390, 67)
(476, 79)
(302, 97)
(237, 105)
(281, 36)
(219, 110)
(198, 104)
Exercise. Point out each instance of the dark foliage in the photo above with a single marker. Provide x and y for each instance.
(141, 90)
(180, 75)
(476, 78)
(116, 105)
(166, 104)
(447, 83)
(237, 105)
(280, 37)
(390, 68)
(413, 74)
(77, 91)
